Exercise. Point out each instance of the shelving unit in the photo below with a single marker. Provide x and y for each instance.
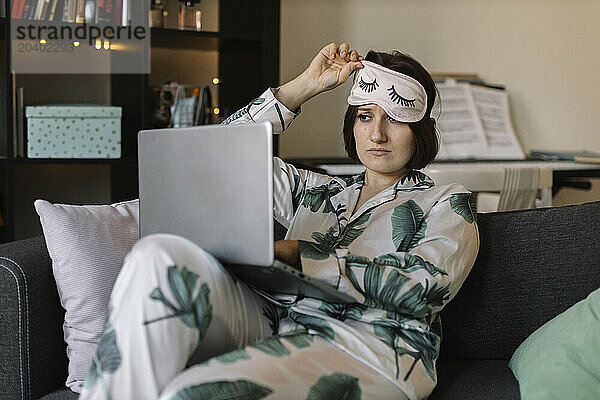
(246, 47)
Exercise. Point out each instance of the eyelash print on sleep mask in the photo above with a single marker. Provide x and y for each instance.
(368, 87)
(396, 98)
(404, 98)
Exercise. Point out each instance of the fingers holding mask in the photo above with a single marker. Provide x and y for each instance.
(344, 49)
(349, 55)
(330, 51)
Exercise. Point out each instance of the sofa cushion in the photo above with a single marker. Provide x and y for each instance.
(87, 245)
(475, 379)
(525, 275)
(61, 394)
(562, 358)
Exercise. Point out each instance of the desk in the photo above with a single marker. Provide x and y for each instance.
(562, 171)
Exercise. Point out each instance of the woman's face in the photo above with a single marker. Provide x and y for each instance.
(373, 129)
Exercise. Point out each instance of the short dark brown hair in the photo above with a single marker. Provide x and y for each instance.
(424, 131)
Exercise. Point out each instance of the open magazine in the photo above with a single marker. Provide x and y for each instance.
(475, 123)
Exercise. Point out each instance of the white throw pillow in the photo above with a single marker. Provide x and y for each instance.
(87, 245)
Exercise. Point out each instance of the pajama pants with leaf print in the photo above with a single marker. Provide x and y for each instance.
(181, 327)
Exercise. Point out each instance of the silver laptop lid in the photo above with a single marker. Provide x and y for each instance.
(212, 184)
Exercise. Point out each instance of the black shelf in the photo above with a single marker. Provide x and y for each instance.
(199, 40)
(33, 161)
(247, 30)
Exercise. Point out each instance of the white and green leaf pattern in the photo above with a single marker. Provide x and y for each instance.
(408, 225)
(314, 197)
(464, 205)
(231, 390)
(413, 302)
(426, 344)
(326, 239)
(335, 386)
(299, 340)
(316, 324)
(272, 346)
(330, 240)
(437, 295)
(418, 301)
(236, 115)
(351, 180)
(343, 311)
(352, 278)
(423, 185)
(413, 175)
(107, 358)
(315, 251)
(242, 111)
(194, 312)
(233, 356)
(349, 233)
(298, 192)
(411, 263)
(379, 294)
(386, 331)
(181, 287)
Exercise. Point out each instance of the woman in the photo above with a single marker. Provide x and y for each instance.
(389, 237)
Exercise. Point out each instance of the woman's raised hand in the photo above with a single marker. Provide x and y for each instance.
(330, 68)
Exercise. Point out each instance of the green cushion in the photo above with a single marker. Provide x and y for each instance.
(561, 360)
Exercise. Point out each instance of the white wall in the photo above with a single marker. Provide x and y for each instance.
(544, 51)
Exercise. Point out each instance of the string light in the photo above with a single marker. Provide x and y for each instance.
(106, 45)
(43, 41)
(76, 44)
(98, 44)
(216, 81)
(216, 111)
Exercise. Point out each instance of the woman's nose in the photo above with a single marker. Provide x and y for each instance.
(378, 133)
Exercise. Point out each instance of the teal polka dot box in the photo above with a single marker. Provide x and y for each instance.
(73, 131)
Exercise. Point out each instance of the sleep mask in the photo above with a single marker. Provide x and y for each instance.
(403, 98)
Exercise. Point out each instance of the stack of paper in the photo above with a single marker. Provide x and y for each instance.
(475, 123)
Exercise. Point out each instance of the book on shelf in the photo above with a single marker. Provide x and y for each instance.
(20, 149)
(40, 9)
(18, 133)
(46, 10)
(69, 10)
(117, 12)
(125, 12)
(35, 4)
(56, 10)
(17, 10)
(104, 12)
(80, 13)
(475, 122)
(582, 156)
(90, 11)
(29, 9)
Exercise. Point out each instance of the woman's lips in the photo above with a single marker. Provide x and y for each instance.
(378, 152)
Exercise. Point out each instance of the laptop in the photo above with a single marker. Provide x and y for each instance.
(213, 184)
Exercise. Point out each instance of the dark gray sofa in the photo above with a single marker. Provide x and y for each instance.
(532, 265)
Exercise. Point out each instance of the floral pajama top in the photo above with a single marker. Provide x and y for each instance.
(403, 256)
